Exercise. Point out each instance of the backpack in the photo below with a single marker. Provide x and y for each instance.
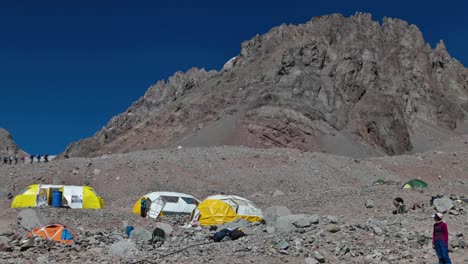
(218, 236)
(128, 230)
(158, 235)
(236, 234)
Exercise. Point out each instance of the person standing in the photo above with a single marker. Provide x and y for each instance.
(38, 158)
(46, 158)
(31, 157)
(11, 159)
(143, 207)
(16, 159)
(440, 239)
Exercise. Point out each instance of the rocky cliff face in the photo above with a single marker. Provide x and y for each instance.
(7, 146)
(343, 85)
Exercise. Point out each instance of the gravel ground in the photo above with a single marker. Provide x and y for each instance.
(311, 183)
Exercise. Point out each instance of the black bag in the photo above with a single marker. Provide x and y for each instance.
(218, 236)
(158, 235)
(236, 234)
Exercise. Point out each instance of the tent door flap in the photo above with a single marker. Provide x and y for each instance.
(156, 208)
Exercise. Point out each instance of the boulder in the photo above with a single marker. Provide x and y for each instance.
(289, 223)
(140, 234)
(42, 260)
(319, 257)
(369, 203)
(272, 213)
(443, 204)
(166, 227)
(311, 261)
(4, 239)
(284, 225)
(124, 248)
(5, 247)
(305, 220)
(31, 218)
(332, 228)
(278, 193)
(282, 245)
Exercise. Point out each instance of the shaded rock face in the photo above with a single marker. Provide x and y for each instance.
(7, 146)
(297, 85)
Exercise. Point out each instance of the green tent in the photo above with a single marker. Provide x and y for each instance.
(415, 183)
(379, 182)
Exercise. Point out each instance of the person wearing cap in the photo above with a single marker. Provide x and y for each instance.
(440, 239)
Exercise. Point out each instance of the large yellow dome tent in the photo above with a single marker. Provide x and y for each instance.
(72, 196)
(220, 209)
(167, 203)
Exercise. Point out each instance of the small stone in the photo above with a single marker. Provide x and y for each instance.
(377, 230)
(311, 261)
(319, 257)
(282, 245)
(369, 203)
(42, 260)
(332, 228)
(278, 193)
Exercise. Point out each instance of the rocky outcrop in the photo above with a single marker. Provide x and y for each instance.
(306, 86)
(7, 146)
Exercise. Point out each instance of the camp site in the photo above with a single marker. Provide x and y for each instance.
(239, 132)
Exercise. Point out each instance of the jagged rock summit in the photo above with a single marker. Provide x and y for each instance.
(349, 86)
(7, 146)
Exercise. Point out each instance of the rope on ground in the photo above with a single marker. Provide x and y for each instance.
(180, 250)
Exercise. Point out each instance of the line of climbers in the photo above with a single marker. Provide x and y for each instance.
(13, 159)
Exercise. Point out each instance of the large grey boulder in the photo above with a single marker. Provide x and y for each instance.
(283, 225)
(166, 227)
(443, 204)
(272, 213)
(140, 234)
(124, 248)
(31, 218)
(289, 223)
(304, 220)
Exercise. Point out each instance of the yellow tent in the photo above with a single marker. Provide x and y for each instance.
(72, 196)
(220, 209)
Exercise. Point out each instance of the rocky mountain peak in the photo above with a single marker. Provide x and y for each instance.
(345, 85)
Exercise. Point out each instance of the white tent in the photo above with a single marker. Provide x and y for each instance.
(167, 203)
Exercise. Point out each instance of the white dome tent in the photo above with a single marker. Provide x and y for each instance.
(167, 203)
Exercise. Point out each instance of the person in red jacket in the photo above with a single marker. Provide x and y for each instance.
(440, 239)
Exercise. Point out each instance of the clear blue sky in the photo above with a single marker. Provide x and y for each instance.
(67, 67)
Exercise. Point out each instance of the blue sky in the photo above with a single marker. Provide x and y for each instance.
(67, 67)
